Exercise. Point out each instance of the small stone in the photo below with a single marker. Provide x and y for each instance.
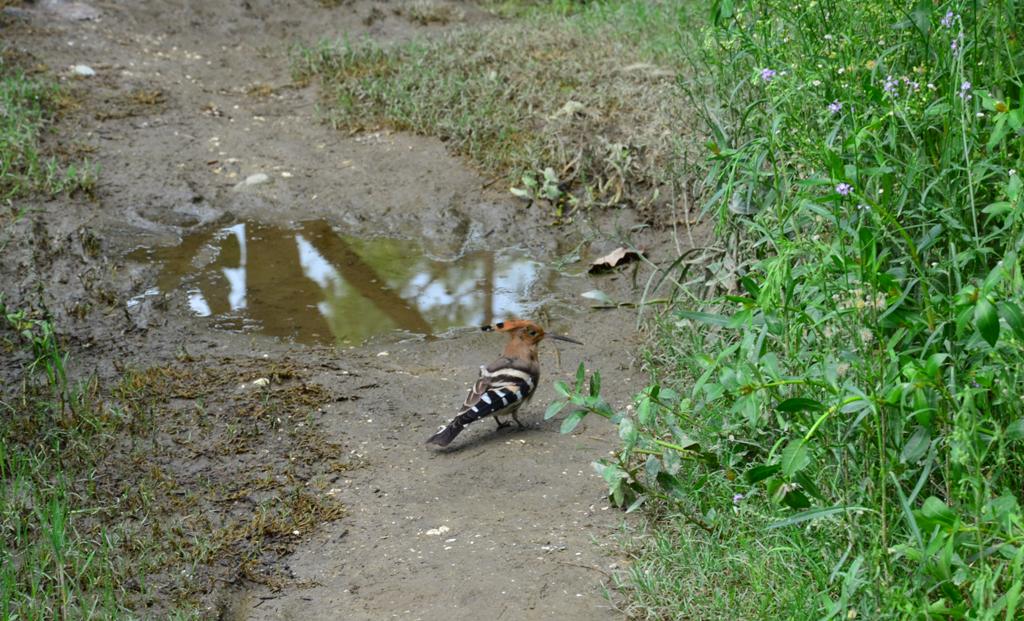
(261, 382)
(382, 354)
(254, 179)
(72, 11)
(84, 71)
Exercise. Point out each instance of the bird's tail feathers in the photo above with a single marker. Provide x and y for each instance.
(445, 436)
(454, 428)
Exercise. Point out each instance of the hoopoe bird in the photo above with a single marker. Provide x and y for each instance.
(506, 384)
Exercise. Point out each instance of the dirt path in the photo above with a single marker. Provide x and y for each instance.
(191, 98)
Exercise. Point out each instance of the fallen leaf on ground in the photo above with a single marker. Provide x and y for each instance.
(615, 258)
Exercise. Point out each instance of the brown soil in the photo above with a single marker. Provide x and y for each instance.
(190, 98)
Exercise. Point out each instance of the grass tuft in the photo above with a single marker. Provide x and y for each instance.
(27, 107)
(568, 123)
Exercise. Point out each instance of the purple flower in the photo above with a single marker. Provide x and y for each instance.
(767, 74)
(947, 21)
(965, 91)
(844, 189)
(890, 85)
(911, 85)
(835, 107)
(953, 45)
(737, 498)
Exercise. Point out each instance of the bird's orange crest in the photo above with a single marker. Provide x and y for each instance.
(507, 326)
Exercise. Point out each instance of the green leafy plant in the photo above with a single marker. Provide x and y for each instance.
(860, 387)
(548, 188)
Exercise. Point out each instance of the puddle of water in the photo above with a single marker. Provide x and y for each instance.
(310, 284)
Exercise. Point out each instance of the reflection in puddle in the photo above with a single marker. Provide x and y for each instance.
(310, 284)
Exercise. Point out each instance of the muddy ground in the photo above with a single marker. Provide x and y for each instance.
(189, 99)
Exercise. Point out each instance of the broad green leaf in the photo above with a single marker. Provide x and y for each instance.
(554, 409)
(800, 404)
(595, 384)
(672, 462)
(795, 499)
(916, 446)
(572, 420)
(627, 431)
(581, 374)
(1016, 119)
(759, 473)
(998, 208)
(855, 406)
(934, 510)
(672, 485)
(1014, 186)
(995, 276)
(1015, 430)
(562, 388)
(601, 408)
(998, 132)
(795, 457)
(636, 503)
(986, 320)
(933, 364)
(652, 467)
(751, 286)
(808, 485)
(643, 411)
(1011, 313)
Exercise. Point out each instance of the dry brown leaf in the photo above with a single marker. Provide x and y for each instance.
(615, 258)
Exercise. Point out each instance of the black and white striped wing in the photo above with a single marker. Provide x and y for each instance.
(499, 390)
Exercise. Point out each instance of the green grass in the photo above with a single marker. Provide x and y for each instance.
(678, 571)
(53, 564)
(533, 101)
(843, 423)
(28, 106)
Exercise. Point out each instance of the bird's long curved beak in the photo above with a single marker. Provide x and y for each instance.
(559, 337)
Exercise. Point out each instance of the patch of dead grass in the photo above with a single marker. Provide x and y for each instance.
(519, 98)
(218, 479)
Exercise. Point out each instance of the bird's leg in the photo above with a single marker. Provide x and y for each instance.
(502, 425)
(516, 418)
